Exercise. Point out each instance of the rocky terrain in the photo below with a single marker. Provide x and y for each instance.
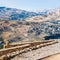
(18, 26)
(43, 53)
(15, 31)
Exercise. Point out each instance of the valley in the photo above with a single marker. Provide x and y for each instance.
(29, 35)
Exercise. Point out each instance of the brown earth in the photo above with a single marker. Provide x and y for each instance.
(53, 57)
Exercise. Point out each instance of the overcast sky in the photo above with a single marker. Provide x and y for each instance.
(30, 4)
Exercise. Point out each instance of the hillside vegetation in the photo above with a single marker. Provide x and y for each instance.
(18, 25)
(15, 31)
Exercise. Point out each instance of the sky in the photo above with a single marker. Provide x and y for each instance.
(30, 5)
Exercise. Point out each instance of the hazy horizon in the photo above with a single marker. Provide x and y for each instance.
(30, 5)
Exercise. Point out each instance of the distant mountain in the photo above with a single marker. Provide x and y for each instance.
(15, 14)
(45, 14)
(18, 14)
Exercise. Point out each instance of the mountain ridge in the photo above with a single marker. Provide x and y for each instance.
(15, 14)
(19, 14)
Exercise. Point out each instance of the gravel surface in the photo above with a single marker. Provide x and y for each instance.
(39, 53)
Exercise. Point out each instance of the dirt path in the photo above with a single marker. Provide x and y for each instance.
(53, 57)
(39, 53)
